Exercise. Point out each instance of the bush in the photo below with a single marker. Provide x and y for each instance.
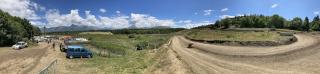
(131, 36)
(142, 45)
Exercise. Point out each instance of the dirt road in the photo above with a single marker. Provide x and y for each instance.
(301, 57)
(25, 61)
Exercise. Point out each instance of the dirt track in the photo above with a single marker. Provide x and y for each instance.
(25, 61)
(301, 57)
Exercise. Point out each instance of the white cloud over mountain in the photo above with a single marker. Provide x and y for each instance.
(142, 20)
(54, 19)
(190, 24)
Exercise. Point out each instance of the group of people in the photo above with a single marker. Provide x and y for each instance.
(54, 44)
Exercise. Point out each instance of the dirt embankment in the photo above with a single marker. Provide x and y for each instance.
(168, 62)
(301, 57)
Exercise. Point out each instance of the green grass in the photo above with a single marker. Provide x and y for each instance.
(132, 62)
(233, 35)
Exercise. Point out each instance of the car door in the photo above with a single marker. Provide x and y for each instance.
(70, 52)
(77, 52)
(83, 53)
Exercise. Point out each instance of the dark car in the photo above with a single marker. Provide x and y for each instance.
(74, 51)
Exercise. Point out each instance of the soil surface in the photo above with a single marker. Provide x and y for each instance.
(27, 60)
(301, 57)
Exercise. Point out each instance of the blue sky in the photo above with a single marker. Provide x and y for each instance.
(174, 13)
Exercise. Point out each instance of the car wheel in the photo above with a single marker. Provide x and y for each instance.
(88, 56)
(71, 57)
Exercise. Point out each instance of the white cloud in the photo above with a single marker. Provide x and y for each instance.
(90, 19)
(224, 9)
(55, 19)
(184, 21)
(142, 20)
(118, 12)
(115, 22)
(102, 10)
(316, 13)
(190, 24)
(207, 12)
(226, 16)
(21, 8)
(274, 5)
(38, 23)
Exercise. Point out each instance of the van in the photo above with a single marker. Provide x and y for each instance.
(75, 51)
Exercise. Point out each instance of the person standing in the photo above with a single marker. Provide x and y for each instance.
(53, 46)
(60, 46)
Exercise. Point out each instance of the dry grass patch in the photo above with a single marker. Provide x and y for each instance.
(102, 33)
(233, 35)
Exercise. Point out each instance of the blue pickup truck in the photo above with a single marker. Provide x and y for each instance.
(74, 51)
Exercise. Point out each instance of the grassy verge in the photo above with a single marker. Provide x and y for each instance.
(132, 61)
(233, 35)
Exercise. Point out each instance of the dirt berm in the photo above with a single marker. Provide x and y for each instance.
(301, 57)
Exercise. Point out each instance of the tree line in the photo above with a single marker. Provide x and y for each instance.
(126, 31)
(261, 21)
(14, 29)
(146, 31)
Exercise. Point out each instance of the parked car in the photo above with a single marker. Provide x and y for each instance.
(20, 45)
(39, 38)
(74, 51)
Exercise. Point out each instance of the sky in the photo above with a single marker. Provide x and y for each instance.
(117, 14)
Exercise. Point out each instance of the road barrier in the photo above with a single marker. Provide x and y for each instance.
(50, 69)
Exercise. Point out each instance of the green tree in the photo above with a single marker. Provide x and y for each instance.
(277, 21)
(297, 24)
(306, 24)
(14, 29)
(315, 23)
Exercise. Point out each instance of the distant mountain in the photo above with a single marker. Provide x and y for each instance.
(71, 28)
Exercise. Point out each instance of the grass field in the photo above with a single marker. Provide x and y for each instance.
(105, 33)
(233, 35)
(132, 61)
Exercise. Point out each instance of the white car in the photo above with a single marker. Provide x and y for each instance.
(20, 45)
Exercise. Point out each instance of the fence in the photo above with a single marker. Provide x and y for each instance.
(50, 69)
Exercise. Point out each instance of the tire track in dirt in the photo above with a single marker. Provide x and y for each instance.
(21, 61)
(214, 59)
